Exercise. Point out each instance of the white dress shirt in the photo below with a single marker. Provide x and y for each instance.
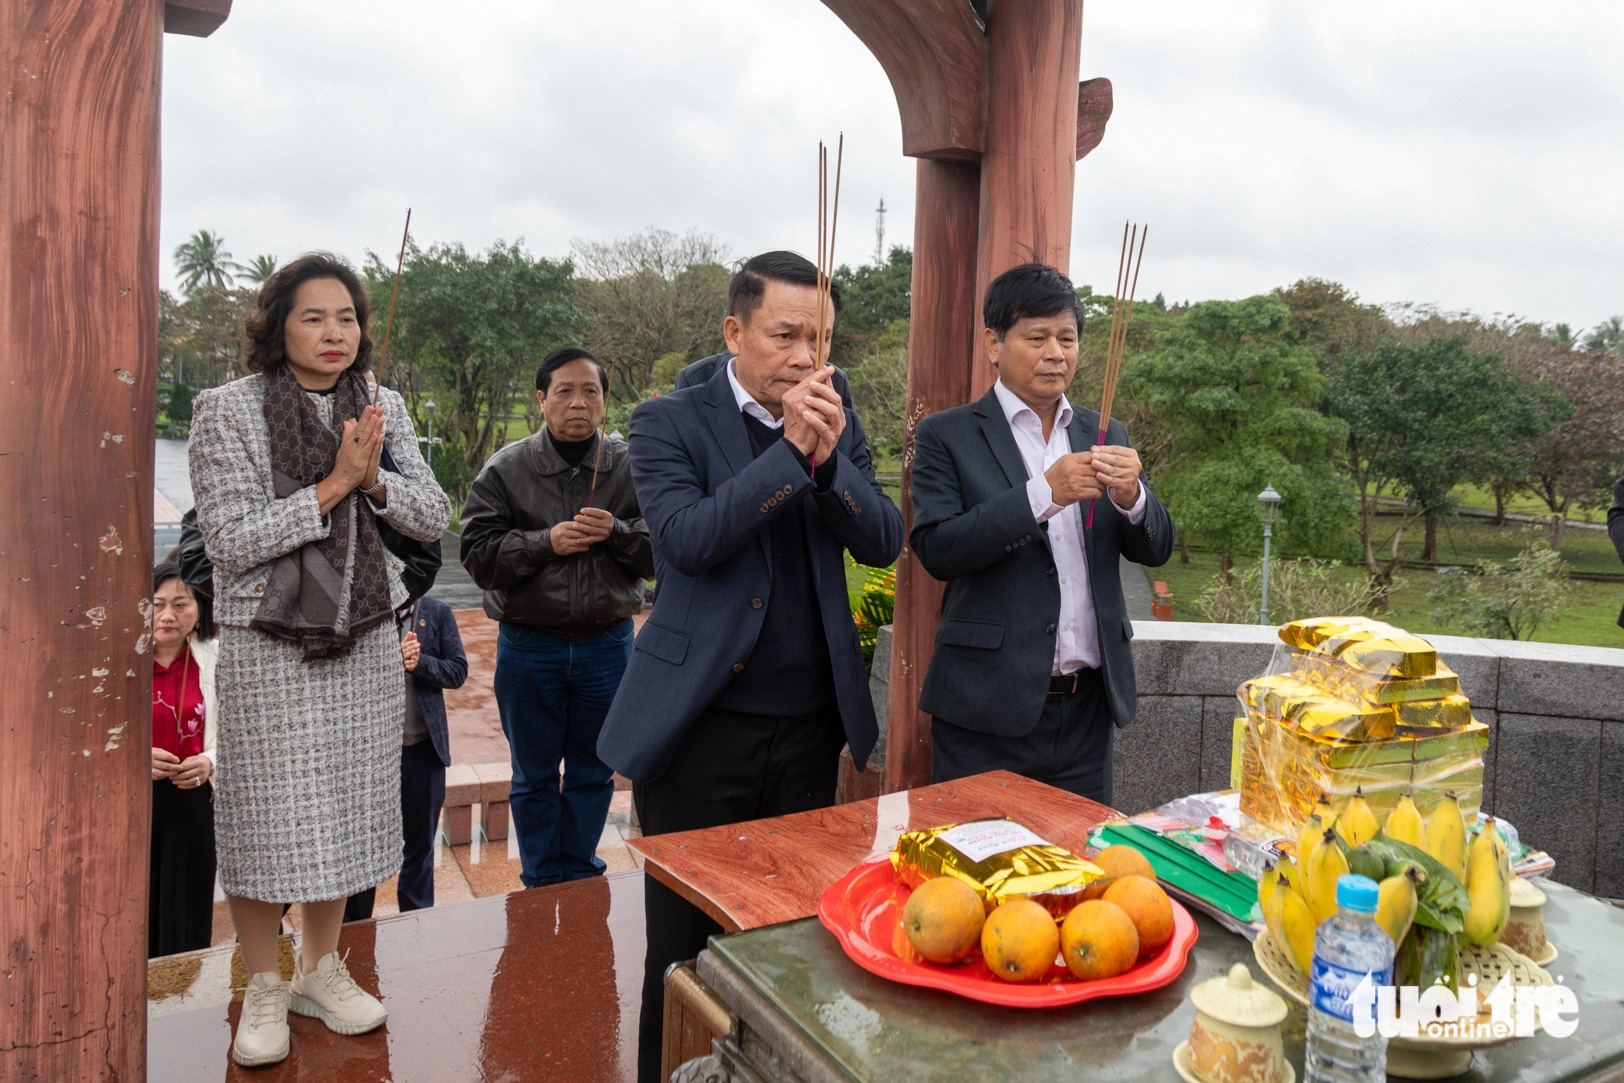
(747, 402)
(1077, 639)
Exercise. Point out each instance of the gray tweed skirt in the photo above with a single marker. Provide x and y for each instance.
(307, 774)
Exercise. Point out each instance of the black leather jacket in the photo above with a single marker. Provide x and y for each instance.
(522, 491)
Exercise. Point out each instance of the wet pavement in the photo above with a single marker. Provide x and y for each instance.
(533, 985)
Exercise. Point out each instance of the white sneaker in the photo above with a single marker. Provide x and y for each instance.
(262, 1030)
(329, 993)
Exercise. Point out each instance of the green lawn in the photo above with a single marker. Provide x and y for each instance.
(1590, 614)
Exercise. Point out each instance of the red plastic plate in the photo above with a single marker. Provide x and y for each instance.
(863, 909)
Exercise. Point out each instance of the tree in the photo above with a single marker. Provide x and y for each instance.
(1504, 601)
(469, 331)
(649, 296)
(1606, 336)
(1417, 420)
(201, 340)
(879, 389)
(1331, 318)
(1574, 463)
(259, 269)
(1244, 401)
(203, 262)
(874, 298)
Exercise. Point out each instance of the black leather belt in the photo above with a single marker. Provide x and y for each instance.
(1067, 683)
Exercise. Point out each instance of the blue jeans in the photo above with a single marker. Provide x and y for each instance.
(553, 694)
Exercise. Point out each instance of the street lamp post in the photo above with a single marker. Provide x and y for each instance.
(429, 441)
(1269, 503)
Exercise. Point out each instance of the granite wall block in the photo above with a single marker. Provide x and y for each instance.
(1157, 757)
(1548, 783)
(1560, 680)
(1609, 856)
(1178, 658)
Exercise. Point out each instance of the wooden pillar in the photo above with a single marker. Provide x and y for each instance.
(940, 343)
(79, 179)
(1029, 156)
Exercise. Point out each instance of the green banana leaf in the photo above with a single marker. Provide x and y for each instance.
(1427, 957)
(1441, 902)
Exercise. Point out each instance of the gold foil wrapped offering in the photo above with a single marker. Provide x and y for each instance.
(1352, 704)
(1000, 859)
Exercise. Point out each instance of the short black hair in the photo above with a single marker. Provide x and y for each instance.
(1028, 292)
(168, 570)
(561, 357)
(749, 283)
(265, 325)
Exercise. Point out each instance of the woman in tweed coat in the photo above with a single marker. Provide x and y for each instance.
(285, 470)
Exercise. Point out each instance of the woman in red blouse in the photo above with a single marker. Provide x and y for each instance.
(180, 903)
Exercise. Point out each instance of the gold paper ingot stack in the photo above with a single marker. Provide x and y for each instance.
(1000, 859)
(1352, 704)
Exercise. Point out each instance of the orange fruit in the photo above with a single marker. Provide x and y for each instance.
(1116, 861)
(943, 919)
(1098, 940)
(1020, 940)
(1148, 906)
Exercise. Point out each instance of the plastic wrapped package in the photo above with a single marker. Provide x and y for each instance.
(1000, 859)
(1355, 705)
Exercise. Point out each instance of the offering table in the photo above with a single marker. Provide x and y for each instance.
(801, 1011)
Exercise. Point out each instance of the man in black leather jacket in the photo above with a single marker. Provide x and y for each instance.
(562, 562)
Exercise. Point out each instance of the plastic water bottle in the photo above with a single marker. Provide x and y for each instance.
(1348, 946)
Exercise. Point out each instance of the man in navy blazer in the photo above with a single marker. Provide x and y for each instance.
(1024, 512)
(701, 371)
(747, 678)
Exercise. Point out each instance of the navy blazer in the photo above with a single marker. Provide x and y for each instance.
(706, 497)
(973, 528)
(441, 665)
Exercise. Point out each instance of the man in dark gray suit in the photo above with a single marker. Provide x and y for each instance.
(748, 678)
(1032, 663)
(701, 371)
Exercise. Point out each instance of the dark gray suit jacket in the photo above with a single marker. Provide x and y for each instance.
(440, 666)
(706, 498)
(973, 528)
(701, 371)
(1615, 526)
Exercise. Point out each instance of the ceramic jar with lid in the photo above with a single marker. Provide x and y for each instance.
(1236, 1034)
(1525, 929)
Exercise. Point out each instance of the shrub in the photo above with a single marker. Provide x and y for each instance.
(1504, 601)
(874, 606)
(1297, 589)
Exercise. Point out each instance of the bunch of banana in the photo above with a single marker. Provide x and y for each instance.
(1291, 924)
(1326, 864)
(1404, 823)
(1488, 886)
(1318, 820)
(1357, 824)
(1446, 836)
(1396, 900)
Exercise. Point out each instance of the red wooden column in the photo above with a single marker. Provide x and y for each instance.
(78, 342)
(942, 333)
(1029, 158)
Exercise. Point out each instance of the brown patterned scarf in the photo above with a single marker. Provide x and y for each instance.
(325, 593)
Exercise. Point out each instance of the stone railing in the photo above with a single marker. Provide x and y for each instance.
(1554, 766)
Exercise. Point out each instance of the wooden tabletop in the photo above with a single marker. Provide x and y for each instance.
(766, 871)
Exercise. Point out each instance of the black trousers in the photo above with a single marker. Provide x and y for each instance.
(422, 794)
(1069, 749)
(732, 767)
(180, 899)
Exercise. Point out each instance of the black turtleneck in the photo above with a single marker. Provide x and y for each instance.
(573, 452)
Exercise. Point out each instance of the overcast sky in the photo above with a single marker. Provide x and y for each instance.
(1463, 154)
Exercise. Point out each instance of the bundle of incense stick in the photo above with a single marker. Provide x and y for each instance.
(1116, 343)
(383, 354)
(827, 221)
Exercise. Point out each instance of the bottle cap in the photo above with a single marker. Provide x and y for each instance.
(1357, 894)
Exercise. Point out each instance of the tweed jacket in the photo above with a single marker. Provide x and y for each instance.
(245, 527)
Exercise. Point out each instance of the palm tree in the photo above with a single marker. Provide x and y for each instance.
(1607, 336)
(203, 261)
(259, 269)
